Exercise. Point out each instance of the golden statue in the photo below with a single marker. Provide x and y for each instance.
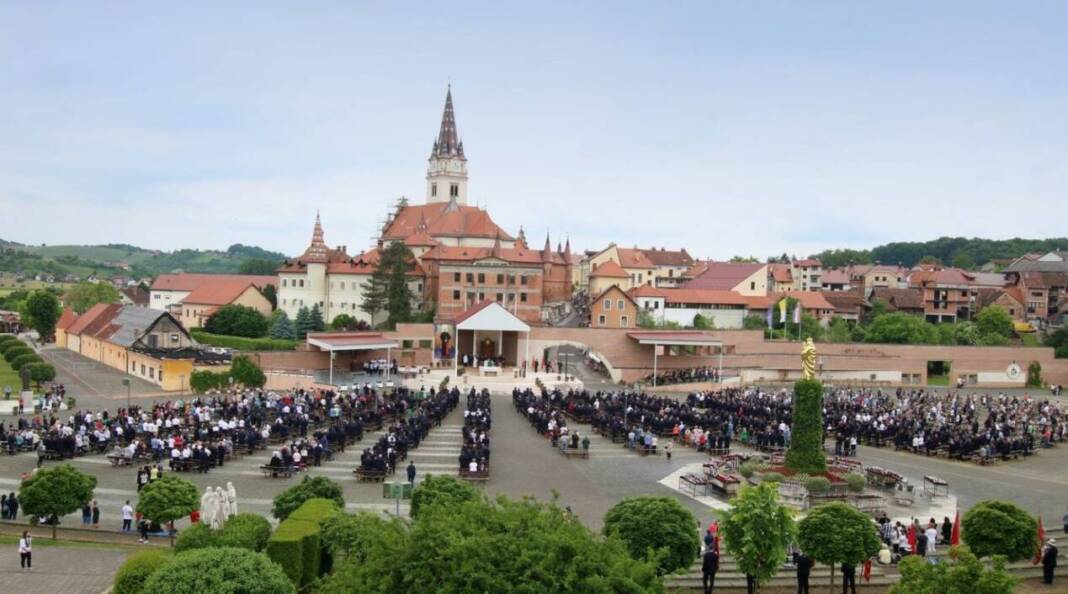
(808, 360)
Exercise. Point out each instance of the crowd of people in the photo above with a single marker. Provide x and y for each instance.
(475, 451)
(415, 413)
(684, 376)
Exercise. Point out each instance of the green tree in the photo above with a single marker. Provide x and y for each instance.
(754, 322)
(806, 429)
(757, 530)
(838, 331)
(237, 320)
(835, 533)
(900, 328)
(56, 492)
(289, 500)
(994, 319)
(995, 527)
(131, 577)
(282, 327)
(303, 322)
(41, 312)
(270, 292)
(701, 322)
(963, 261)
(84, 295)
(258, 266)
(655, 528)
(961, 573)
(42, 372)
(646, 319)
(315, 319)
(219, 569)
(931, 260)
(441, 490)
(167, 499)
(374, 291)
(247, 373)
(344, 322)
(810, 327)
(1034, 375)
(398, 294)
(500, 546)
(361, 536)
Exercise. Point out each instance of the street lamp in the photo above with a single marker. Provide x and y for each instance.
(126, 382)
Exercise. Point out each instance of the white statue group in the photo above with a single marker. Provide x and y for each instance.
(216, 505)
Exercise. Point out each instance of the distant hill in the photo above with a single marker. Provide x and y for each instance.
(111, 260)
(964, 252)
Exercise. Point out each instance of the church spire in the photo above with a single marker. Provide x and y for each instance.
(448, 143)
(317, 250)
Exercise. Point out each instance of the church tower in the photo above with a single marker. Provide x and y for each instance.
(446, 176)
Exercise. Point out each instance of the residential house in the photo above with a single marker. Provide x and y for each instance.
(903, 300)
(725, 309)
(613, 308)
(169, 290)
(608, 274)
(749, 279)
(208, 298)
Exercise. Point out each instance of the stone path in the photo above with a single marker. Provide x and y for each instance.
(56, 569)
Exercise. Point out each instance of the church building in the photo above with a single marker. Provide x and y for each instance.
(461, 256)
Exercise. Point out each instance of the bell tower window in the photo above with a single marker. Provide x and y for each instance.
(433, 189)
(454, 190)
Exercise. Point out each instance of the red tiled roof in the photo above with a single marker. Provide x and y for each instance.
(899, 299)
(704, 296)
(723, 275)
(217, 293)
(807, 299)
(845, 301)
(191, 281)
(616, 289)
(807, 263)
(780, 273)
(663, 257)
(443, 219)
(474, 309)
(633, 258)
(471, 254)
(95, 319)
(66, 319)
(609, 270)
(646, 291)
(836, 276)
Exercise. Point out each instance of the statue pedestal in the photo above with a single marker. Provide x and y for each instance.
(27, 400)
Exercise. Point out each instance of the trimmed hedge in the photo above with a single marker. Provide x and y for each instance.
(818, 485)
(806, 431)
(219, 570)
(856, 482)
(23, 360)
(197, 536)
(131, 577)
(286, 548)
(245, 531)
(17, 351)
(6, 338)
(11, 344)
(241, 343)
(317, 510)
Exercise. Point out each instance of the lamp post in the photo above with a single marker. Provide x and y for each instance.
(126, 382)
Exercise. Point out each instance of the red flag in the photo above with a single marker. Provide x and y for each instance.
(955, 538)
(867, 570)
(1041, 540)
(912, 538)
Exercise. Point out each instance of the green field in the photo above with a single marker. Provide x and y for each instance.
(8, 377)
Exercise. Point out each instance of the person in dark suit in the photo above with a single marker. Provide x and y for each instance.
(411, 472)
(849, 579)
(1049, 561)
(709, 567)
(804, 568)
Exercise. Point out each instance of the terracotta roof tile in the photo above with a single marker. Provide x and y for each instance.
(443, 219)
(217, 293)
(723, 275)
(609, 270)
(190, 281)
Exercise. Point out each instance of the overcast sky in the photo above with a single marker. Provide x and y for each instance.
(748, 128)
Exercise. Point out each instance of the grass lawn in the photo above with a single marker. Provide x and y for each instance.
(937, 380)
(8, 377)
(1030, 340)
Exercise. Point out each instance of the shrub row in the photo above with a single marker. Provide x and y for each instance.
(243, 531)
(23, 360)
(297, 544)
(241, 343)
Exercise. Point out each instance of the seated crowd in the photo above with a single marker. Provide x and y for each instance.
(416, 414)
(475, 451)
(684, 376)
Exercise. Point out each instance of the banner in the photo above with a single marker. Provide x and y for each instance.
(782, 311)
(797, 313)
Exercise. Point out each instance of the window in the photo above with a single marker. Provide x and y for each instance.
(481, 296)
(174, 338)
(406, 344)
(433, 190)
(152, 372)
(470, 277)
(671, 272)
(156, 296)
(342, 284)
(283, 282)
(500, 297)
(500, 279)
(523, 297)
(600, 320)
(481, 278)
(142, 369)
(301, 282)
(623, 322)
(511, 279)
(619, 305)
(607, 304)
(456, 277)
(454, 190)
(752, 286)
(426, 344)
(456, 294)
(523, 280)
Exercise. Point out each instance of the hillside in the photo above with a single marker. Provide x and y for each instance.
(956, 251)
(126, 260)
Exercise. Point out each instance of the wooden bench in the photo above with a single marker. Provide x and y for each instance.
(693, 482)
(366, 475)
(277, 471)
(648, 450)
(183, 464)
(477, 476)
(576, 453)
